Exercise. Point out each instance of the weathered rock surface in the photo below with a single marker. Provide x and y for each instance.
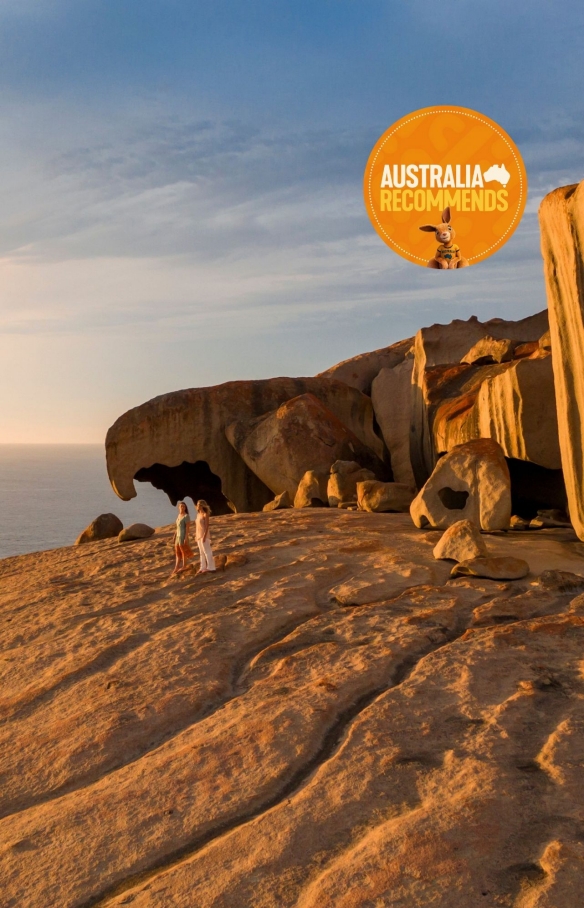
(441, 382)
(461, 542)
(103, 527)
(392, 397)
(240, 739)
(136, 531)
(377, 496)
(178, 443)
(470, 483)
(359, 371)
(489, 350)
(343, 480)
(561, 218)
(312, 490)
(302, 434)
(495, 568)
(279, 503)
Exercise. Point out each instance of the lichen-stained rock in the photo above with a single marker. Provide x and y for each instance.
(494, 568)
(342, 485)
(312, 490)
(469, 483)
(489, 350)
(178, 440)
(460, 542)
(302, 434)
(391, 395)
(359, 371)
(377, 496)
(437, 354)
(106, 526)
(561, 217)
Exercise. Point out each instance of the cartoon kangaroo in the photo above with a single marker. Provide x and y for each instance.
(448, 253)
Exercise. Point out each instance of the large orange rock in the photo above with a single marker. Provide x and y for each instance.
(301, 435)
(392, 397)
(561, 217)
(178, 443)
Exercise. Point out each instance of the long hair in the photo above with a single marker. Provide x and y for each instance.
(203, 506)
(185, 507)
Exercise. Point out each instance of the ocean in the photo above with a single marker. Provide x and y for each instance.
(50, 493)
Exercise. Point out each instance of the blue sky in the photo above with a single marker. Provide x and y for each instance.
(180, 186)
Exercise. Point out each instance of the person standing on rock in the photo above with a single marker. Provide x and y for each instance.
(203, 537)
(181, 541)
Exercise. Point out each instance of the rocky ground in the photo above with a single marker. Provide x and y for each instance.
(332, 723)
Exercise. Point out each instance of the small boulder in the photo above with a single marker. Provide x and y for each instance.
(106, 526)
(461, 542)
(377, 496)
(279, 503)
(494, 568)
(549, 518)
(518, 523)
(312, 490)
(489, 350)
(561, 582)
(236, 559)
(135, 531)
(342, 486)
(345, 467)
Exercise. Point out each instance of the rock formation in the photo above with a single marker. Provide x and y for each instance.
(462, 541)
(135, 531)
(360, 371)
(342, 483)
(377, 496)
(178, 443)
(312, 490)
(391, 395)
(561, 217)
(302, 434)
(471, 482)
(103, 527)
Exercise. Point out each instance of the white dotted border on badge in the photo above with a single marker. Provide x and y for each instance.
(428, 113)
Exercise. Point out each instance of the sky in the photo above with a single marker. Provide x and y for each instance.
(181, 186)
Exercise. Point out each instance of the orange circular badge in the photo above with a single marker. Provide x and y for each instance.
(445, 187)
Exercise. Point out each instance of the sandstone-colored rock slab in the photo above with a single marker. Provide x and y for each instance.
(135, 531)
(461, 542)
(302, 434)
(106, 526)
(561, 218)
(392, 397)
(494, 568)
(377, 496)
(470, 483)
(239, 739)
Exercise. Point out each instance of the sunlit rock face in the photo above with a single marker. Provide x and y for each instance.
(561, 217)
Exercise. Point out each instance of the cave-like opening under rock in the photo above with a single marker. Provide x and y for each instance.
(188, 480)
(534, 487)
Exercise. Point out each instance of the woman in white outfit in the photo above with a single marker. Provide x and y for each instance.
(203, 537)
